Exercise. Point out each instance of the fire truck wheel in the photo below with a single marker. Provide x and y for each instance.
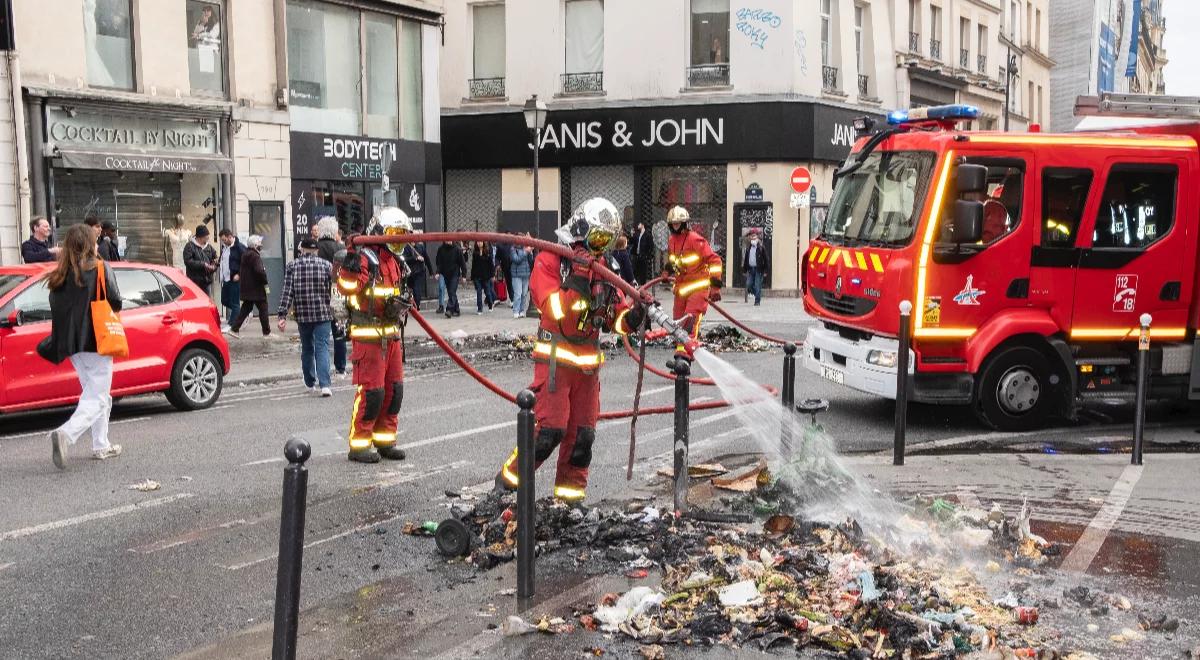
(1014, 392)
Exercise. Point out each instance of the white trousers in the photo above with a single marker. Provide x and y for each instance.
(95, 403)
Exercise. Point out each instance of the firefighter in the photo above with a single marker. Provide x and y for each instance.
(575, 307)
(372, 279)
(698, 273)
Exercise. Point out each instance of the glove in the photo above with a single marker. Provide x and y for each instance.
(350, 262)
(714, 294)
(716, 282)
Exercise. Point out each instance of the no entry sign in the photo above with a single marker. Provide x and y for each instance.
(801, 179)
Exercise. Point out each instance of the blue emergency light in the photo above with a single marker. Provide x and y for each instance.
(957, 112)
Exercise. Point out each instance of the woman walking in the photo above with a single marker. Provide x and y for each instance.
(521, 268)
(72, 289)
(253, 278)
(483, 269)
(621, 257)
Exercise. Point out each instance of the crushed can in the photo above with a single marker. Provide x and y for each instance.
(1027, 616)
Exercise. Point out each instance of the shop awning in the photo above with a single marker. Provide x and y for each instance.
(149, 162)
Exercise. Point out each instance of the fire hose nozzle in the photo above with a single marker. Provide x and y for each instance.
(664, 320)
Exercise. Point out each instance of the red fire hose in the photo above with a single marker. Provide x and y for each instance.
(645, 288)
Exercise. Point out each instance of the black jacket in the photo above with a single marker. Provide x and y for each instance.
(450, 261)
(108, 250)
(504, 258)
(34, 251)
(761, 259)
(194, 258)
(642, 247)
(410, 254)
(235, 257)
(252, 276)
(327, 249)
(624, 265)
(71, 329)
(482, 265)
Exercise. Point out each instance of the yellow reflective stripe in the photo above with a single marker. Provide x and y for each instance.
(368, 331)
(833, 256)
(568, 493)
(619, 324)
(862, 261)
(353, 301)
(506, 472)
(944, 333)
(689, 259)
(812, 254)
(347, 284)
(927, 240)
(1126, 333)
(382, 437)
(672, 258)
(876, 263)
(354, 414)
(846, 259)
(377, 291)
(360, 443)
(715, 269)
(579, 305)
(560, 353)
(824, 253)
(1084, 141)
(556, 309)
(693, 286)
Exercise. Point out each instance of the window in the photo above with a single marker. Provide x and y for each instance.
(1037, 31)
(34, 303)
(710, 32)
(1029, 100)
(171, 290)
(1064, 194)
(914, 22)
(412, 95)
(383, 94)
(1028, 21)
(964, 43)
(1040, 107)
(1138, 206)
(323, 68)
(982, 48)
(206, 54)
(584, 36)
(488, 31)
(935, 32)
(1002, 199)
(108, 42)
(139, 288)
(881, 200)
(1012, 21)
(859, 10)
(826, 32)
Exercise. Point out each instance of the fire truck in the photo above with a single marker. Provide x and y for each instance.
(1028, 259)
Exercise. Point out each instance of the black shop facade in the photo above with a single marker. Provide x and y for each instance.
(351, 177)
(728, 164)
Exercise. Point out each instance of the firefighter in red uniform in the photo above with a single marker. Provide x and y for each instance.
(699, 275)
(372, 279)
(575, 306)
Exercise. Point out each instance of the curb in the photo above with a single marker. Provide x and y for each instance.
(417, 363)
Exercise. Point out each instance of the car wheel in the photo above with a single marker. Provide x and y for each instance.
(195, 380)
(1016, 390)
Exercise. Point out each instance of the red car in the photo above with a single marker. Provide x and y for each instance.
(174, 331)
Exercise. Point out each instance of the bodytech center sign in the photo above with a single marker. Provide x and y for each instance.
(773, 130)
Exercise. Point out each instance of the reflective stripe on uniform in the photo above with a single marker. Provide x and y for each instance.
(689, 259)
(383, 438)
(579, 306)
(365, 331)
(568, 493)
(563, 355)
(715, 269)
(360, 443)
(357, 443)
(619, 324)
(556, 309)
(350, 285)
(378, 291)
(506, 472)
(692, 286)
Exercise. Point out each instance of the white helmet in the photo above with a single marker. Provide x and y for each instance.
(595, 223)
(393, 222)
(677, 220)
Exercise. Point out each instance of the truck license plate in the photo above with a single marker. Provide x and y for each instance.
(833, 375)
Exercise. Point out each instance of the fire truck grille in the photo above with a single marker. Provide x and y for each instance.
(846, 305)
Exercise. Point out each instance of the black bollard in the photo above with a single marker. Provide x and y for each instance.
(291, 550)
(526, 515)
(682, 369)
(788, 398)
(902, 382)
(1139, 405)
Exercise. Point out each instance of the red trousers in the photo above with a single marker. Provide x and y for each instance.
(379, 375)
(566, 419)
(695, 304)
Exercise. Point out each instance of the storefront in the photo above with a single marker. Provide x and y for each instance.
(155, 172)
(647, 160)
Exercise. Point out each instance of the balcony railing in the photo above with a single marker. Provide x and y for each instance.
(576, 83)
(829, 78)
(935, 49)
(914, 42)
(863, 83)
(486, 88)
(708, 75)
(964, 58)
(982, 64)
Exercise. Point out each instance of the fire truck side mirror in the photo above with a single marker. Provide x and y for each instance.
(971, 178)
(967, 226)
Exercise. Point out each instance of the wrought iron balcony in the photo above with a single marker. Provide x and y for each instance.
(983, 64)
(576, 83)
(914, 42)
(708, 75)
(486, 88)
(964, 58)
(863, 84)
(829, 78)
(935, 49)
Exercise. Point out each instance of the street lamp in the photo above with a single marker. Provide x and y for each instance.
(1009, 74)
(535, 120)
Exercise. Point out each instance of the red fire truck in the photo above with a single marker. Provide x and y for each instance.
(1028, 259)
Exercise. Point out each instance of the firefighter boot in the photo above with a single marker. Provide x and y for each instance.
(368, 455)
(392, 453)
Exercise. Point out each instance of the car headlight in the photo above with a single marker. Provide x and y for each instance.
(882, 358)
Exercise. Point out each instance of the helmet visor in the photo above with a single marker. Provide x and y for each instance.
(396, 248)
(598, 240)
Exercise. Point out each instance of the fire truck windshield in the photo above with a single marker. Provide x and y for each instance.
(878, 203)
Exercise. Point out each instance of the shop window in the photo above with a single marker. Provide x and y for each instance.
(584, 57)
(108, 43)
(206, 52)
(412, 94)
(139, 288)
(1138, 207)
(323, 68)
(487, 29)
(1064, 194)
(383, 116)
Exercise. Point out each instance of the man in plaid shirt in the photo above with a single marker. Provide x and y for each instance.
(306, 288)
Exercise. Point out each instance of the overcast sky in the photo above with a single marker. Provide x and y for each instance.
(1183, 48)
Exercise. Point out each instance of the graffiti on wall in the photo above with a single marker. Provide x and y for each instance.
(757, 25)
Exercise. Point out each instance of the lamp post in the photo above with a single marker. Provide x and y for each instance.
(535, 121)
(1009, 74)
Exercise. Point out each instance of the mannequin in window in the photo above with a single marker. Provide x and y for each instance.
(175, 239)
(207, 39)
(717, 54)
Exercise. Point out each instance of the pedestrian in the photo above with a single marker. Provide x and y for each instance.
(698, 272)
(620, 255)
(200, 259)
(504, 261)
(415, 256)
(306, 287)
(331, 249)
(94, 224)
(521, 259)
(483, 269)
(108, 248)
(642, 252)
(73, 284)
(451, 266)
(38, 248)
(231, 262)
(756, 263)
(252, 281)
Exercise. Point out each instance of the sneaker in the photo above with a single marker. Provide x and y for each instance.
(233, 333)
(479, 313)
(58, 449)
(516, 315)
(326, 392)
(113, 451)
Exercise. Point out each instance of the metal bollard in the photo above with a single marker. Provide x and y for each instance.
(902, 382)
(787, 395)
(1143, 374)
(291, 550)
(682, 369)
(526, 514)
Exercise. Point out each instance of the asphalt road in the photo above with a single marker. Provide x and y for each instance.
(89, 568)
